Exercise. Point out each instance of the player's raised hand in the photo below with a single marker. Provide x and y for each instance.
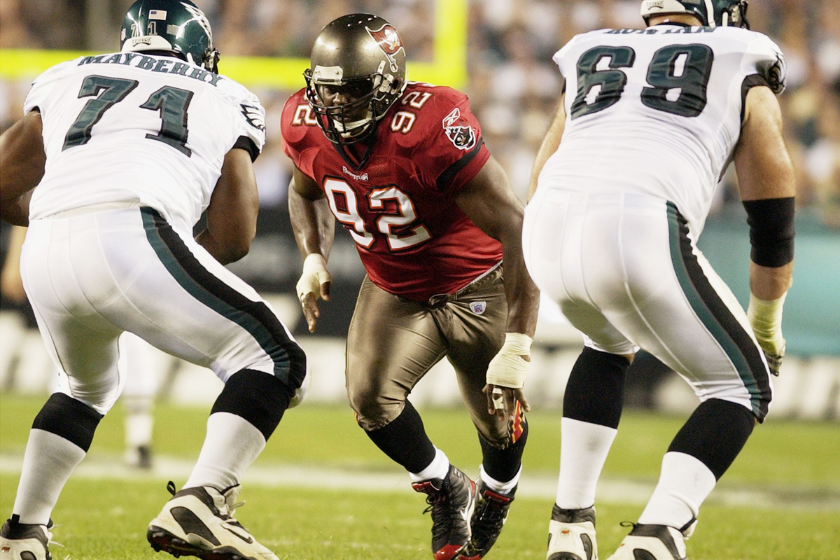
(314, 282)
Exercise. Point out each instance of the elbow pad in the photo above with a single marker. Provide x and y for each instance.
(771, 230)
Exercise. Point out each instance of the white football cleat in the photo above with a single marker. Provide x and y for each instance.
(199, 522)
(571, 534)
(24, 541)
(654, 542)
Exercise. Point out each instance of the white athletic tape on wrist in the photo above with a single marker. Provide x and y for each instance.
(508, 368)
(766, 321)
(313, 275)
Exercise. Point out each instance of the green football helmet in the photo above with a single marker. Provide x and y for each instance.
(711, 13)
(176, 26)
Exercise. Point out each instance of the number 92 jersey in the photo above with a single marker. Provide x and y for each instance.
(399, 208)
(658, 110)
(131, 129)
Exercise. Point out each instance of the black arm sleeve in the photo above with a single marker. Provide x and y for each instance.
(771, 230)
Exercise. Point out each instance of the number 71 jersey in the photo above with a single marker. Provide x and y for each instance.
(658, 110)
(133, 129)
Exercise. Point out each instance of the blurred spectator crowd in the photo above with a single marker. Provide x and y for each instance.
(513, 83)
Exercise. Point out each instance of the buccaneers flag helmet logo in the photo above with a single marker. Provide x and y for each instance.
(389, 41)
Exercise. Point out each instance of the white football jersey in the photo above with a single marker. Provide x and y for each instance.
(131, 129)
(657, 110)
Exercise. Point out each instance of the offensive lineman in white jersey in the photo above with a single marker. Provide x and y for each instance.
(127, 151)
(623, 183)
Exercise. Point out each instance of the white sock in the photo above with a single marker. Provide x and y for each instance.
(684, 484)
(438, 468)
(495, 485)
(583, 451)
(47, 464)
(231, 445)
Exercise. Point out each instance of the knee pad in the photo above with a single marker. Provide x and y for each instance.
(259, 398)
(68, 418)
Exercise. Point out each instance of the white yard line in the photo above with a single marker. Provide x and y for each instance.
(531, 485)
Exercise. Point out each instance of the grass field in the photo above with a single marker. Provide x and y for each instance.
(779, 501)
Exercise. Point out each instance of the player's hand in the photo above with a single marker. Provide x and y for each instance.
(501, 401)
(766, 321)
(506, 376)
(314, 282)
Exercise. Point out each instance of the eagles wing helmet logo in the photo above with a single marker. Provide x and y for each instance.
(461, 136)
(199, 16)
(389, 41)
(254, 116)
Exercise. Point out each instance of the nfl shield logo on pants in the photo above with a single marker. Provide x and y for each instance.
(478, 307)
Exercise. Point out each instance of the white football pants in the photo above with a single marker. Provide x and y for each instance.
(94, 275)
(625, 271)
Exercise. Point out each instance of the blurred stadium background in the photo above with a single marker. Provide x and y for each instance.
(499, 52)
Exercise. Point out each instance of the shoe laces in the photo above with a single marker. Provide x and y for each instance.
(490, 515)
(224, 505)
(444, 514)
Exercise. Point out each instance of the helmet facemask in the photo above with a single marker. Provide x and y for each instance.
(735, 15)
(356, 120)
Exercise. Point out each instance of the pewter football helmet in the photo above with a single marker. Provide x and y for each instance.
(364, 53)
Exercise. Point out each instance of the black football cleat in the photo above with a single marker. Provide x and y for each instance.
(487, 521)
(451, 501)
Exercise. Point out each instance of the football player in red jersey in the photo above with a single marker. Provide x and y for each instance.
(403, 167)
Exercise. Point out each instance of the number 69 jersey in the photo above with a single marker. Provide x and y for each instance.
(131, 129)
(631, 91)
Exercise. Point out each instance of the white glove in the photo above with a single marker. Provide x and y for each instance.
(508, 368)
(766, 321)
(314, 274)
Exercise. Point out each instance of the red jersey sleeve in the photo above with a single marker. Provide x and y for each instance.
(455, 145)
(296, 126)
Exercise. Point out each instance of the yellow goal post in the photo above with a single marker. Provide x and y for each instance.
(449, 66)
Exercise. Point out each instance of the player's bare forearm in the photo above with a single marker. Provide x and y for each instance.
(491, 204)
(232, 213)
(311, 218)
(16, 211)
(23, 161)
(770, 283)
(523, 297)
(767, 185)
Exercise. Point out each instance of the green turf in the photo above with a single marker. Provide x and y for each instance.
(106, 519)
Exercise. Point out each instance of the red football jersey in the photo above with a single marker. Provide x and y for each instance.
(400, 207)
